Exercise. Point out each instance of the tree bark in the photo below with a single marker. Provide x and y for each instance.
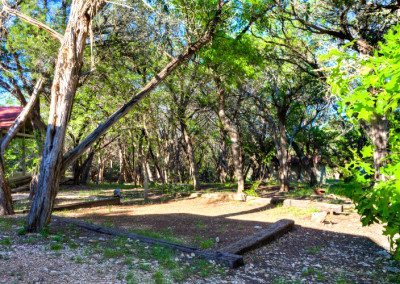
(222, 161)
(378, 132)
(305, 164)
(66, 78)
(6, 205)
(193, 169)
(283, 157)
(234, 137)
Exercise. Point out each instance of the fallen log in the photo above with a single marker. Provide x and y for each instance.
(336, 208)
(225, 258)
(86, 204)
(261, 238)
(24, 188)
(19, 181)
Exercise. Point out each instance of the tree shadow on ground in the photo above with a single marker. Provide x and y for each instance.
(354, 257)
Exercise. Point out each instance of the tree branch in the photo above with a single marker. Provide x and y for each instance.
(22, 117)
(31, 21)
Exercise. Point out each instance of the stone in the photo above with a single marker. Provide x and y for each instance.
(239, 197)
(319, 217)
(392, 269)
(384, 254)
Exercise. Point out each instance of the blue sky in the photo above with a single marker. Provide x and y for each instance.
(6, 99)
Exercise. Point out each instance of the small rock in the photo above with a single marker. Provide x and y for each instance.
(318, 265)
(192, 254)
(384, 254)
(217, 240)
(319, 217)
(53, 272)
(257, 227)
(392, 269)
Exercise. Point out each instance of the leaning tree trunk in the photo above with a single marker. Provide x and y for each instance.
(283, 157)
(193, 169)
(235, 140)
(66, 77)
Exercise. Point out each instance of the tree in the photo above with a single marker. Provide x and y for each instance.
(64, 87)
(6, 204)
(370, 89)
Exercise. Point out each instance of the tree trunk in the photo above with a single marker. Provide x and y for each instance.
(235, 140)
(102, 165)
(378, 132)
(66, 77)
(85, 169)
(222, 162)
(6, 205)
(193, 170)
(283, 157)
(305, 164)
(144, 171)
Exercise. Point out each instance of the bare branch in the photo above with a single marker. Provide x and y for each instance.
(22, 117)
(31, 21)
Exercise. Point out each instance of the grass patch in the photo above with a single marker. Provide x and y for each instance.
(6, 241)
(294, 211)
(56, 246)
(130, 278)
(163, 234)
(158, 278)
(5, 224)
(314, 250)
(200, 225)
(204, 243)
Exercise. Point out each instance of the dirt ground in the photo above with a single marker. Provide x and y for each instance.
(337, 251)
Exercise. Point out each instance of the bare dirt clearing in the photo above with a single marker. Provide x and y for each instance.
(337, 251)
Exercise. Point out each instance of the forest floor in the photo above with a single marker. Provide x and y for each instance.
(339, 250)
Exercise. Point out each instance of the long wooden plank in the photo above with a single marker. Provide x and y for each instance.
(19, 181)
(261, 238)
(86, 204)
(24, 188)
(89, 204)
(231, 260)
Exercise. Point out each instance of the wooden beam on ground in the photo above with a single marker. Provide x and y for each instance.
(266, 236)
(225, 258)
(89, 204)
(19, 181)
(86, 204)
(306, 204)
(24, 188)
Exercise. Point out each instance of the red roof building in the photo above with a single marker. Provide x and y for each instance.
(8, 116)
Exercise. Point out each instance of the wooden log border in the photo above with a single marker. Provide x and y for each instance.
(266, 236)
(86, 204)
(228, 259)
